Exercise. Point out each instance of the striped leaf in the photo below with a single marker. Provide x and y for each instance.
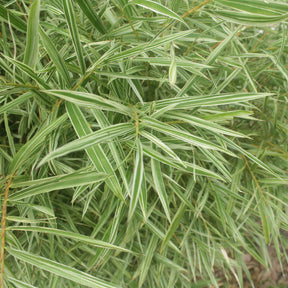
(95, 153)
(34, 144)
(158, 8)
(100, 136)
(89, 11)
(32, 40)
(55, 57)
(59, 269)
(137, 179)
(72, 25)
(58, 183)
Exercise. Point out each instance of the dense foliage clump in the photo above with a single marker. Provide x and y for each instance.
(143, 143)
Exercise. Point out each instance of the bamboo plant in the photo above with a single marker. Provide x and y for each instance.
(142, 143)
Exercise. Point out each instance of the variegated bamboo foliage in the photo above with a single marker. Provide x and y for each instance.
(143, 143)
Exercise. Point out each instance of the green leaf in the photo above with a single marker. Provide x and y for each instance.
(181, 135)
(210, 59)
(100, 136)
(186, 166)
(55, 56)
(19, 284)
(137, 179)
(95, 153)
(115, 148)
(55, 183)
(146, 263)
(174, 225)
(207, 125)
(90, 100)
(172, 73)
(149, 46)
(72, 25)
(160, 186)
(160, 144)
(32, 40)
(256, 6)
(158, 8)
(34, 144)
(88, 10)
(249, 155)
(206, 100)
(29, 71)
(252, 20)
(11, 17)
(59, 269)
(70, 235)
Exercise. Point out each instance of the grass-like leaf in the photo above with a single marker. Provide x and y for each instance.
(71, 235)
(158, 8)
(71, 21)
(34, 144)
(96, 153)
(11, 17)
(87, 8)
(100, 136)
(60, 269)
(56, 58)
(57, 183)
(137, 179)
(31, 50)
(142, 142)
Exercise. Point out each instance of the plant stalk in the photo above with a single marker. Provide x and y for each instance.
(3, 228)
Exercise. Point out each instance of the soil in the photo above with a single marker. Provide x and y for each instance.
(275, 277)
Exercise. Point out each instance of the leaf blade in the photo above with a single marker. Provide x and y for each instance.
(59, 269)
(158, 8)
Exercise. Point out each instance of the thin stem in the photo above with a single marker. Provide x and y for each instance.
(136, 123)
(255, 180)
(193, 10)
(3, 228)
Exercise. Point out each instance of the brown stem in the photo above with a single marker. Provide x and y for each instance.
(255, 179)
(191, 11)
(3, 228)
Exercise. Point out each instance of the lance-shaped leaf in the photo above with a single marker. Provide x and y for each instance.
(70, 235)
(137, 179)
(89, 100)
(150, 46)
(55, 57)
(158, 8)
(32, 40)
(61, 270)
(160, 144)
(89, 11)
(57, 183)
(257, 6)
(34, 144)
(174, 225)
(147, 259)
(12, 18)
(187, 166)
(95, 153)
(249, 155)
(201, 123)
(72, 25)
(115, 148)
(19, 100)
(206, 100)
(160, 186)
(29, 71)
(100, 136)
(18, 283)
(250, 19)
(181, 135)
